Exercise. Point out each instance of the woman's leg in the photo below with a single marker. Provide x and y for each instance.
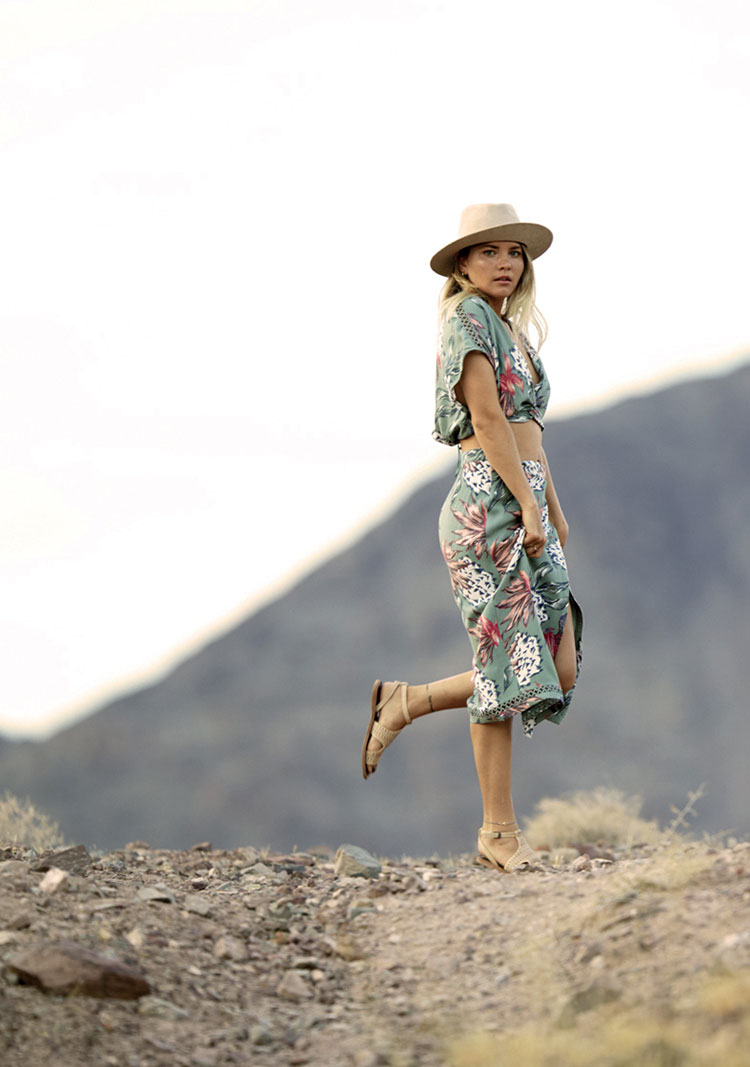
(452, 692)
(565, 660)
(493, 750)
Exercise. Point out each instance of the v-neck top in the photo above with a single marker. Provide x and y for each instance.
(473, 326)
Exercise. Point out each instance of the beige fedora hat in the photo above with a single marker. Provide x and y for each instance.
(491, 222)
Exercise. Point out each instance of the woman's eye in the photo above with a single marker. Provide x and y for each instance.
(489, 251)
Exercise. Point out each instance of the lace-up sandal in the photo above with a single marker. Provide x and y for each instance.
(524, 856)
(381, 733)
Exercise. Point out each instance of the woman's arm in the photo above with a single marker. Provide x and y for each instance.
(478, 391)
(556, 516)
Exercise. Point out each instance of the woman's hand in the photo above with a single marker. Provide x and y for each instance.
(535, 538)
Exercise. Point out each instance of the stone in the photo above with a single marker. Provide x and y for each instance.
(20, 921)
(202, 846)
(348, 949)
(157, 893)
(355, 862)
(582, 863)
(8, 937)
(135, 937)
(74, 860)
(198, 905)
(13, 867)
(204, 1057)
(53, 880)
(735, 941)
(67, 968)
(293, 987)
(158, 1008)
(260, 1035)
(230, 948)
(230, 1033)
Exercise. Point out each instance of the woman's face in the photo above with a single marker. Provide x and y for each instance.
(494, 268)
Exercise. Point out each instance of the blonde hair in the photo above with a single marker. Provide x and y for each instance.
(520, 310)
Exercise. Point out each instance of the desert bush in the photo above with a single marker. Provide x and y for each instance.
(710, 1026)
(616, 1040)
(22, 824)
(587, 817)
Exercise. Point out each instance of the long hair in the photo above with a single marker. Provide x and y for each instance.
(519, 309)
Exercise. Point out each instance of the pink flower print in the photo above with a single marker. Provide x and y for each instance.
(507, 383)
(505, 553)
(518, 604)
(468, 580)
(473, 529)
(553, 642)
(487, 634)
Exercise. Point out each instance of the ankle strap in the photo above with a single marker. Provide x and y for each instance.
(404, 704)
(498, 833)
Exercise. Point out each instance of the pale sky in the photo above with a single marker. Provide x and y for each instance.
(217, 319)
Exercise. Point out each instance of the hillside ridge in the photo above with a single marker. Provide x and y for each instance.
(256, 737)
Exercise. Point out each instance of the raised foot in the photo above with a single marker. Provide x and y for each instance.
(389, 713)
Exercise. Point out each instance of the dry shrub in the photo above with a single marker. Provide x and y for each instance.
(726, 996)
(614, 1043)
(587, 817)
(613, 1037)
(676, 865)
(22, 824)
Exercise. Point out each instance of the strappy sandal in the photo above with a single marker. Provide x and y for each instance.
(524, 856)
(382, 734)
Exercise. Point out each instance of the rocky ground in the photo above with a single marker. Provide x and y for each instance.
(146, 958)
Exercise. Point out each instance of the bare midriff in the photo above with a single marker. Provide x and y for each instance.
(527, 435)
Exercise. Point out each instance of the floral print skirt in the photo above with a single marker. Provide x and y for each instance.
(513, 606)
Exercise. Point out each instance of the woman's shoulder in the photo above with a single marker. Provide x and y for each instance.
(471, 304)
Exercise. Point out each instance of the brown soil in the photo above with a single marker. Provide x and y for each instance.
(275, 960)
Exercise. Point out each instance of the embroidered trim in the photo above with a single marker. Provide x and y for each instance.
(500, 712)
(472, 329)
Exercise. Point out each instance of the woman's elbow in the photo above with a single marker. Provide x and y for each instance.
(485, 420)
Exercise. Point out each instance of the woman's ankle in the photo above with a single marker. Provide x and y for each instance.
(496, 826)
(419, 700)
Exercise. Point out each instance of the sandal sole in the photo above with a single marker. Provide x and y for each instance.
(482, 861)
(368, 733)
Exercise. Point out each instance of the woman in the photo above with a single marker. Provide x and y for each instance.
(502, 529)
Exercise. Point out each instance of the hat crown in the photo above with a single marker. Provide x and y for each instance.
(478, 217)
(482, 223)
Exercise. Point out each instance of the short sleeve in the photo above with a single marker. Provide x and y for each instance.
(466, 330)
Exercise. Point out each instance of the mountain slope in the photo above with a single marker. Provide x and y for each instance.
(255, 739)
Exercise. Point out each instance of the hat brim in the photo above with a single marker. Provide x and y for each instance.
(535, 238)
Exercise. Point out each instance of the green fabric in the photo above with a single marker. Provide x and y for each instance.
(513, 606)
(475, 327)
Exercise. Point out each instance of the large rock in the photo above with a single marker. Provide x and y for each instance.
(66, 968)
(74, 860)
(352, 860)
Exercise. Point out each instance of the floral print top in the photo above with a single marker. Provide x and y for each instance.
(475, 327)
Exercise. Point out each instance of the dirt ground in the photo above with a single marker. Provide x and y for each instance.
(638, 955)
